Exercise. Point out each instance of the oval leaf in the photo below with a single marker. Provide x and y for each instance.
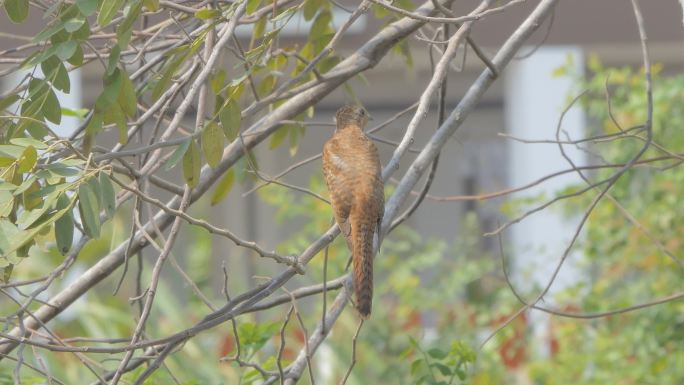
(17, 10)
(128, 99)
(87, 7)
(51, 107)
(89, 210)
(6, 203)
(28, 159)
(108, 194)
(108, 9)
(223, 187)
(67, 49)
(192, 165)
(212, 144)
(64, 227)
(206, 14)
(177, 154)
(230, 119)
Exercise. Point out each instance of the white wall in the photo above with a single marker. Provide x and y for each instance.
(534, 101)
(72, 100)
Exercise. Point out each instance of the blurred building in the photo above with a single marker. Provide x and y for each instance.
(477, 159)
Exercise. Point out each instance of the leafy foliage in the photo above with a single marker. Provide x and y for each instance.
(626, 267)
(437, 296)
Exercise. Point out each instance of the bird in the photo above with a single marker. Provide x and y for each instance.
(353, 175)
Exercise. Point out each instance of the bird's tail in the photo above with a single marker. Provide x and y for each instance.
(362, 256)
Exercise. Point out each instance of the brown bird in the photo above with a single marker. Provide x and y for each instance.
(352, 171)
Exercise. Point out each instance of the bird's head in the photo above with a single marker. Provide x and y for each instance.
(351, 115)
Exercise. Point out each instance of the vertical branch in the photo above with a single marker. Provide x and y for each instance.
(154, 281)
(353, 358)
(281, 349)
(441, 111)
(432, 87)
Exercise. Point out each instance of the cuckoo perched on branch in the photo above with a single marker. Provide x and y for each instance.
(352, 171)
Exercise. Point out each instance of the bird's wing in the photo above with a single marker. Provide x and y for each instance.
(340, 194)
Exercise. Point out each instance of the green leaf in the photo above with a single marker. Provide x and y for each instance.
(82, 33)
(94, 185)
(177, 154)
(108, 194)
(259, 28)
(31, 191)
(286, 13)
(114, 114)
(87, 7)
(24, 237)
(252, 5)
(152, 5)
(255, 336)
(169, 70)
(266, 85)
(38, 57)
(25, 142)
(127, 96)
(192, 164)
(207, 13)
(110, 93)
(217, 81)
(17, 10)
(89, 210)
(62, 170)
(417, 366)
(28, 159)
(230, 117)
(95, 124)
(66, 50)
(6, 203)
(55, 71)
(223, 187)
(295, 132)
(436, 353)
(445, 370)
(49, 66)
(125, 29)
(461, 374)
(4, 186)
(11, 150)
(28, 218)
(8, 101)
(108, 9)
(77, 58)
(212, 144)
(310, 8)
(402, 48)
(113, 62)
(243, 165)
(279, 136)
(80, 113)
(6, 273)
(73, 25)
(51, 107)
(48, 32)
(320, 25)
(64, 226)
(8, 232)
(328, 63)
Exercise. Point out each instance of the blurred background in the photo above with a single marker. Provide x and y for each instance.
(441, 286)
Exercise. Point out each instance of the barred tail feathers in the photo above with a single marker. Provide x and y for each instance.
(362, 256)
